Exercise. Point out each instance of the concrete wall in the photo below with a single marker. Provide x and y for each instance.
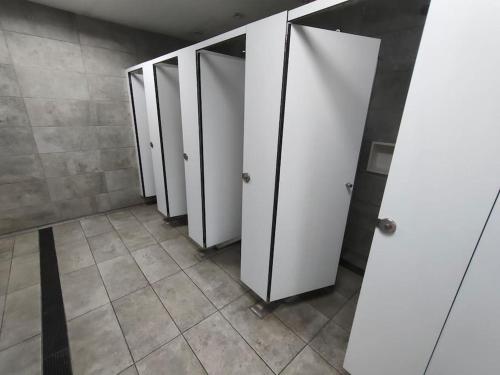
(66, 140)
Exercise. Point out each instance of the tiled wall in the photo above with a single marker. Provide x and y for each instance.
(66, 139)
(399, 25)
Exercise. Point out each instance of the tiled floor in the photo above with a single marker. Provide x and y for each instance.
(140, 298)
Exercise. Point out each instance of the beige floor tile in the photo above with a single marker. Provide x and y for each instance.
(82, 291)
(217, 285)
(144, 321)
(184, 301)
(107, 246)
(68, 233)
(184, 252)
(25, 271)
(146, 213)
(22, 359)
(136, 237)
(275, 343)
(302, 318)
(161, 230)
(345, 316)
(174, 358)
(230, 260)
(6, 248)
(94, 225)
(73, 255)
(348, 282)
(221, 349)
(97, 344)
(155, 263)
(331, 343)
(327, 301)
(26, 243)
(310, 363)
(122, 219)
(121, 276)
(4, 276)
(22, 317)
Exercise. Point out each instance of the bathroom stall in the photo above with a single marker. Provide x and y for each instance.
(137, 92)
(212, 79)
(316, 112)
(167, 143)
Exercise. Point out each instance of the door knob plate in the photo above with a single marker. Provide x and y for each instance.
(185, 156)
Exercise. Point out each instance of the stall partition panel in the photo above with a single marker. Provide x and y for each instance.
(265, 50)
(169, 107)
(190, 137)
(473, 326)
(141, 130)
(329, 82)
(444, 177)
(222, 85)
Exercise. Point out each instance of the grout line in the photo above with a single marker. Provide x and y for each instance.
(110, 301)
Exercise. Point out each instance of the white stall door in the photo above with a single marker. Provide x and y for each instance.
(444, 177)
(141, 131)
(470, 341)
(154, 136)
(330, 78)
(167, 79)
(190, 138)
(265, 50)
(222, 83)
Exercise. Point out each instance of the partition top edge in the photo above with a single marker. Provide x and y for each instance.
(301, 11)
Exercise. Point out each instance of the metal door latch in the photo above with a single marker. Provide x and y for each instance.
(245, 177)
(151, 144)
(185, 156)
(387, 226)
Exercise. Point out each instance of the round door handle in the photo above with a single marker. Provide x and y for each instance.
(245, 177)
(386, 225)
(349, 185)
(185, 156)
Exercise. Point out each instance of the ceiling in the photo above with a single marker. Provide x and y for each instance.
(185, 19)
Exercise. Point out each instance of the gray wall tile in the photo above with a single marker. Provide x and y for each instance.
(20, 168)
(4, 52)
(111, 112)
(115, 136)
(77, 207)
(20, 194)
(70, 163)
(52, 112)
(47, 83)
(31, 50)
(105, 34)
(59, 125)
(119, 158)
(123, 198)
(61, 139)
(8, 81)
(108, 88)
(102, 61)
(35, 19)
(13, 112)
(26, 217)
(85, 185)
(16, 141)
(120, 179)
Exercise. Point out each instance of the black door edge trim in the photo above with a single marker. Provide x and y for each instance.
(158, 113)
(462, 280)
(136, 133)
(200, 140)
(278, 159)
